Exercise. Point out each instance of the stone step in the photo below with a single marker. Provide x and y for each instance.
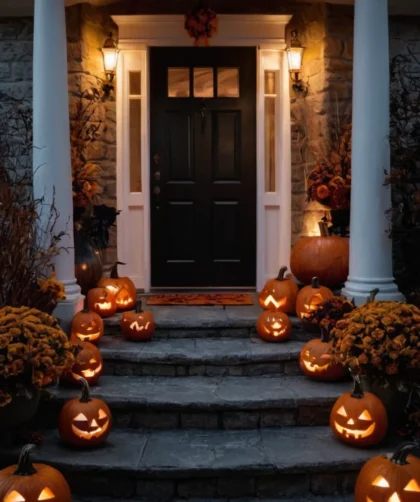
(308, 498)
(200, 357)
(209, 402)
(160, 465)
(197, 322)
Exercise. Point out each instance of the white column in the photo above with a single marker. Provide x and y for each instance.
(51, 138)
(370, 247)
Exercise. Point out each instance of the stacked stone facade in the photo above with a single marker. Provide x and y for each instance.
(325, 30)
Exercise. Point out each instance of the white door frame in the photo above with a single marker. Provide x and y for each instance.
(267, 33)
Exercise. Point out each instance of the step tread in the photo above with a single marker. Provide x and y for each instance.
(201, 317)
(308, 498)
(208, 453)
(214, 351)
(212, 392)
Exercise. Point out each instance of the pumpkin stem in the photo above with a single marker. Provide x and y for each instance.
(315, 283)
(85, 397)
(323, 229)
(358, 392)
(325, 335)
(139, 306)
(372, 294)
(24, 466)
(114, 270)
(85, 310)
(281, 274)
(401, 453)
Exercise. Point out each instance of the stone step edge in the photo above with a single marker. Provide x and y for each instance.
(309, 498)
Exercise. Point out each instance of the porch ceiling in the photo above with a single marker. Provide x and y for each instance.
(25, 7)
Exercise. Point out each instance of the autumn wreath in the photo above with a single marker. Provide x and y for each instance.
(201, 24)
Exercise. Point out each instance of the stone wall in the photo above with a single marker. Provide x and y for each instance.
(87, 29)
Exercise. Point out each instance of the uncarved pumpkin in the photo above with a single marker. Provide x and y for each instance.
(86, 421)
(27, 482)
(87, 326)
(122, 287)
(326, 257)
(279, 294)
(274, 326)
(359, 418)
(139, 325)
(309, 297)
(316, 362)
(394, 478)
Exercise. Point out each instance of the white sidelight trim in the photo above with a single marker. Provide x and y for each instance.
(51, 138)
(370, 247)
(267, 33)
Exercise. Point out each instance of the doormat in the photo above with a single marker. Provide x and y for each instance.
(201, 299)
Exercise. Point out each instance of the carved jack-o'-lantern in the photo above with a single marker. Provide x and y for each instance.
(138, 325)
(316, 362)
(274, 326)
(85, 422)
(87, 326)
(309, 297)
(359, 418)
(102, 301)
(390, 478)
(122, 287)
(279, 294)
(88, 364)
(27, 482)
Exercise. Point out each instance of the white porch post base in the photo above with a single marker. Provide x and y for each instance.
(51, 138)
(370, 245)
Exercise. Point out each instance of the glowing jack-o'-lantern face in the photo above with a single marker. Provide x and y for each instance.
(122, 288)
(310, 297)
(390, 478)
(273, 326)
(138, 325)
(84, 421)
(316, 361)
(102, 302)
(359, 418)
(279, 294)
(27, 482)
(88, 363)
(87, 326)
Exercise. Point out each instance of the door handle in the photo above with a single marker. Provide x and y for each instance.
(157, 175)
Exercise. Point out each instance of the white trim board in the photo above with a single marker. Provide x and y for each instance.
(136, 35)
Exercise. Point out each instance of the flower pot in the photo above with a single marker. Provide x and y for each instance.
(20, 410)
(393, 398)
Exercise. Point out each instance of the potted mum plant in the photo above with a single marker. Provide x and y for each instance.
(380, 342)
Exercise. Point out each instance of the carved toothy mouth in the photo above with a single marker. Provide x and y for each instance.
(354, 433)
(99, 431)
(90, 337)
(315, 367)
(88, 373)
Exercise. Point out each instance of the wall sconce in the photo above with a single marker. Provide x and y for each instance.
(294, 56)
(110, 54)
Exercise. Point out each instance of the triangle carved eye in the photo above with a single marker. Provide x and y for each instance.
(381, 482)
(413, 486)
(365, 416)
(46, 494)
(342, 412)
(14, 496)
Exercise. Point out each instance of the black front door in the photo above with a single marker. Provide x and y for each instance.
(203, 166)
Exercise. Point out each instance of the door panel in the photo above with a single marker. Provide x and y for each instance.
(203, 169)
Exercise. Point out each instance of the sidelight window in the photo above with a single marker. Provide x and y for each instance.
(134, 84)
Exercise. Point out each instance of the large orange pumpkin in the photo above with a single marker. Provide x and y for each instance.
(390, 478)
(359, 418)
(309, 297)
(27, 482)
(316, 362)
(279, 294)
(326, 257)
(85, 422)
(122, 287)
(274, 326)
(139, 325)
